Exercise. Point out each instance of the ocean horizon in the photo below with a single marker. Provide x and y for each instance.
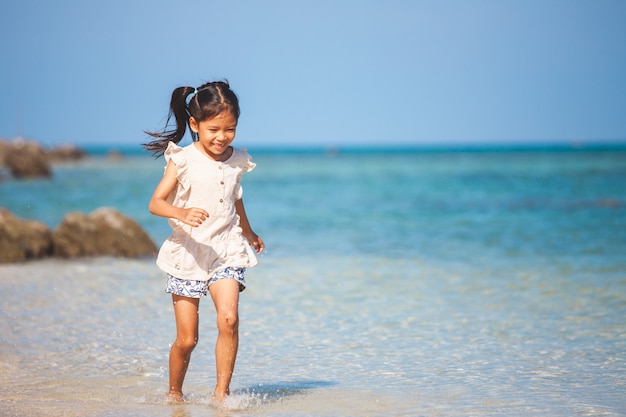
(100, 149)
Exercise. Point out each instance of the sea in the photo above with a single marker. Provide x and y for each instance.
(416, 281)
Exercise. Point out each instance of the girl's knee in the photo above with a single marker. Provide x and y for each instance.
(186, 344)
(228, 320)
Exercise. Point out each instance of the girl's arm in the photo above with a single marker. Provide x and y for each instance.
(254, 239)
(160, 207)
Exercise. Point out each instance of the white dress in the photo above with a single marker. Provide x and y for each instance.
(197, 253)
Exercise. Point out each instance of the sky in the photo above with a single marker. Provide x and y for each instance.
(319, 72)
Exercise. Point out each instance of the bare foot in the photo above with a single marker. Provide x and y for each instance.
(174, 397)
(219, 398)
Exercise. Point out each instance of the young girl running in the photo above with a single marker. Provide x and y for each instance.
(209, 248)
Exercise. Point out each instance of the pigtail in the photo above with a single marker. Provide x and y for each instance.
(208, 101)
(180, 112)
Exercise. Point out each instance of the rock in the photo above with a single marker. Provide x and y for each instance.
(27, 159)
(21, 240)
(75, 236)
(114, 155)
(103, 232)
(4, 148)
(65, 153)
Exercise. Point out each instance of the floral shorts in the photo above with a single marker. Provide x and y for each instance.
(198, 289)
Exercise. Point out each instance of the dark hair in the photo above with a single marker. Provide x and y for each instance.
(208, 101)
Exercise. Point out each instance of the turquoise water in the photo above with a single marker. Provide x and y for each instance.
(409, 282)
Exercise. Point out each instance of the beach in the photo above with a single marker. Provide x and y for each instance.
(447, 282)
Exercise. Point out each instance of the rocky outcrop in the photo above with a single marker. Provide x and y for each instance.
(21, 239)
(66, 153)
(28, 159)
(4, 147)
(104, 232)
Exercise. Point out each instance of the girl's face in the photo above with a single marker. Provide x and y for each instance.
(215, 135)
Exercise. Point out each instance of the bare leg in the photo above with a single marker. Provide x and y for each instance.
(225, 294)
(186, 312)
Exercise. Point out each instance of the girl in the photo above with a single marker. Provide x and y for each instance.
(209, 248)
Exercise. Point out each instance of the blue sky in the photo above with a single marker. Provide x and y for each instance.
(330, 73)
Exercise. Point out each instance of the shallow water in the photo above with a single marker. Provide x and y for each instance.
(93, 338)
(403, 284)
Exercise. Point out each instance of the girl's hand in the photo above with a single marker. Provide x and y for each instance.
(193, 216)
(256, 242)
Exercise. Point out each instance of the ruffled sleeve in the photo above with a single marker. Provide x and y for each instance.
(246, 161)
(177, 155)
(245, 164)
